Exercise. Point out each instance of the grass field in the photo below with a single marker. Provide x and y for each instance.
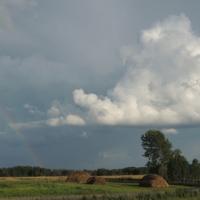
(56, 186)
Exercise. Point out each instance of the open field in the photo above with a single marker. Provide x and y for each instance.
(55, 188)
(60, 178)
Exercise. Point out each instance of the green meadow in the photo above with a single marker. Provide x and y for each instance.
(24, 188)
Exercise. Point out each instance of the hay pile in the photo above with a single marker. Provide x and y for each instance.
(96, 180)
(78, 177)
(153, 180)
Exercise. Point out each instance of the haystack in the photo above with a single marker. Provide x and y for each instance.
(78, 177)
(153, 180)
(96, 180)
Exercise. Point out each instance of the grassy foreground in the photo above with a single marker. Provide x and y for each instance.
(55, 186)
(21, 189)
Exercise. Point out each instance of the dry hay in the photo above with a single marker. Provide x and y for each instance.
(153, 180)
(78, 177)
(96, 180)
(34, 179)
(140, 176)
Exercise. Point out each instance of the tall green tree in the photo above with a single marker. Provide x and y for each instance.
(195, 170)
(178, 166)
(157, 150)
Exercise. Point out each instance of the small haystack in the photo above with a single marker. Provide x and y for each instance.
(153, 180)
(96, 180)
(78, 177)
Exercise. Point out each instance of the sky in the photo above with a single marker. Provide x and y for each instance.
(82, 80)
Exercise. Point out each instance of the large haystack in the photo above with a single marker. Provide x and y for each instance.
(78, 177)
(153, 180)
(96, 180)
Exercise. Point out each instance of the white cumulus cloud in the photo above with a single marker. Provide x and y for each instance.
(74, 120)
(67, 120)
(53, 111)
(161, 84)
(169, 131)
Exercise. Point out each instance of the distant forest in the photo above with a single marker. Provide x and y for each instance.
(24, 171)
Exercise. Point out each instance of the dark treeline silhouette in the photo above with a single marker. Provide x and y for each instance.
(178, 170)
(175, 173)
(25, 171)
(122, 171)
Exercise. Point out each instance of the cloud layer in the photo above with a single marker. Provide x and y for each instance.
(161, 84)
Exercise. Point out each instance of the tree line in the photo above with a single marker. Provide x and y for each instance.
(121, 171)
(26, 171)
